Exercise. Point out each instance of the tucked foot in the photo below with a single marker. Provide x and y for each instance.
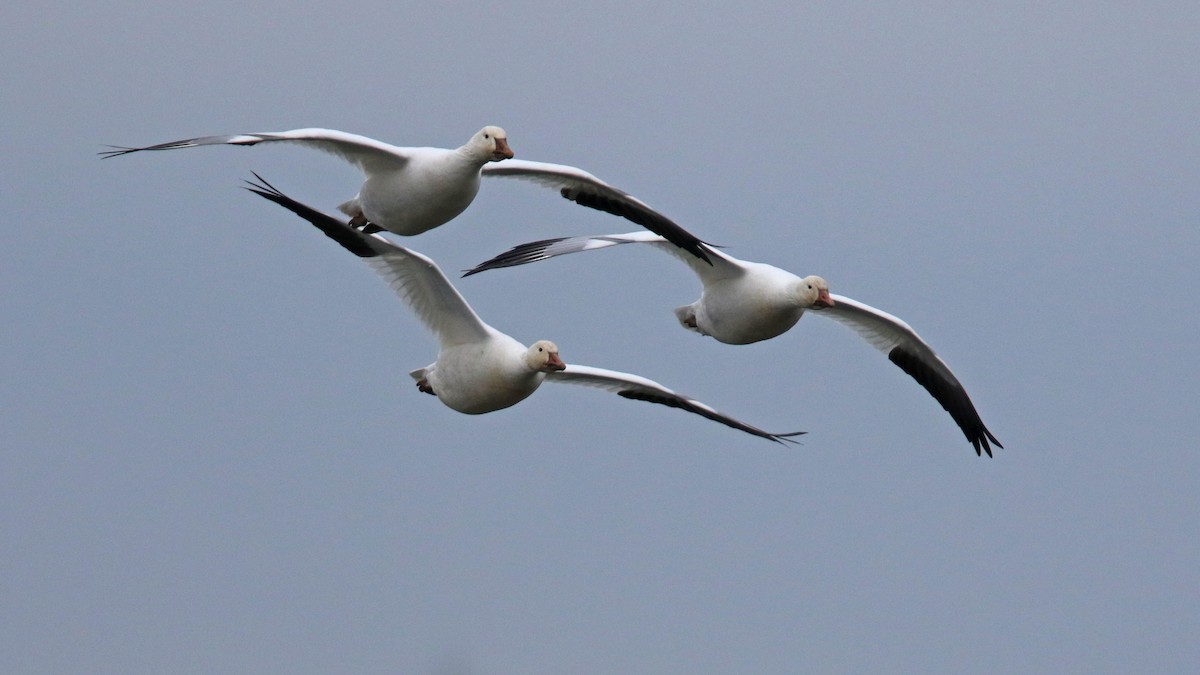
(423, 385)
(360, 223)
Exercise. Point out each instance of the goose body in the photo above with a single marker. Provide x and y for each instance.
(405, 190)
(756, 303)
(481, 376)
(745, 302)
(740, 302)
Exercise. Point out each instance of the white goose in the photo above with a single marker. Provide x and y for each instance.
(411, 190)
(406, 191)
(744, 302)
(478, 368)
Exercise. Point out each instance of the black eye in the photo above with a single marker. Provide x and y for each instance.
(540, 349)
(486, 136)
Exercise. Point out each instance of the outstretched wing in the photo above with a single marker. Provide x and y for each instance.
(642, 389)
(720, 265)
(368, 154)
(415, 278)
(585, 189)
(914, 356)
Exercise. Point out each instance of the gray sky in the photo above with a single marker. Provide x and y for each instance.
(213, 459)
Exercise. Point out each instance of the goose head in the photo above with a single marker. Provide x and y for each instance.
(542, 356)
(490, 144)
(812, 292)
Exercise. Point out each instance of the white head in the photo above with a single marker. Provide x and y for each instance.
(542, 356)
(812, 292)
(490, 144)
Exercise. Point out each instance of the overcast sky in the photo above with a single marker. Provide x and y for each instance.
(212, 458)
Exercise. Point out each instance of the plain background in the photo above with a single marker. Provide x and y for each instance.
(212, 458)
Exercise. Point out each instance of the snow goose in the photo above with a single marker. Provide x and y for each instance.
(744, 302)
(478, 368)
(410, 190)
(406, 191)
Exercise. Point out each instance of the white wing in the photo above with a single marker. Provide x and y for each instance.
(914, 356)
(414, 277)
(368, 154)
(720, 265)
(585, 189)
(642, 389)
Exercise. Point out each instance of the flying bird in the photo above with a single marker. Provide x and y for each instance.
(478, 368)
(411, 190)
(407, 190)
(744, 302)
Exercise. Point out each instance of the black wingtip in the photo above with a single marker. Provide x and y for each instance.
(517, 255)
(981, 442)
(117, 151)
(787, 438)
(349, 238)
(682, 403)
(262, 187)
(647, 218)
(952, 397)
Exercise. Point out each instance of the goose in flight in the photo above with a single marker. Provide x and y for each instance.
(411, 190)
(478, 368)
(407, 190)
(744, 302)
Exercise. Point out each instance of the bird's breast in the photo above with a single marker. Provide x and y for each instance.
(733, 316)
(412, 202)
(468, 380)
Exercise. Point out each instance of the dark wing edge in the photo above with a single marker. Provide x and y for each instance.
(636, 213)
(517, 255)
(951, 395)
(352, 240)
(118, 150)
(683, 404)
